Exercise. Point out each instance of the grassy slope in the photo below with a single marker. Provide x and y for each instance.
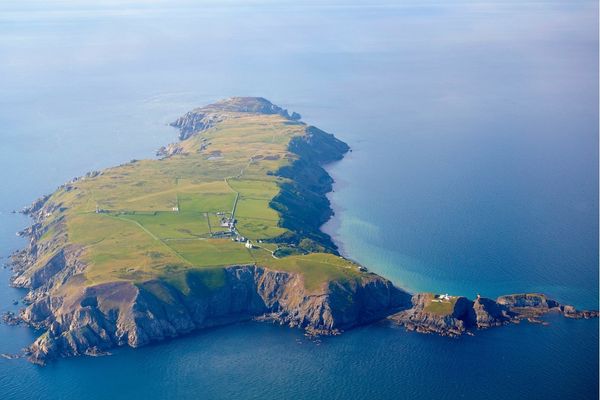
(140, 237)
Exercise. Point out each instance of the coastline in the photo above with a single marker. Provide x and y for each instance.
(90, 322)
(333, 225)
(414, 279)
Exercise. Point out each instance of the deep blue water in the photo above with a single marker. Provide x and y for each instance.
(474, 170)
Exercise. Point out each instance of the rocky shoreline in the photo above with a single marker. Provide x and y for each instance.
(83, 319)
(105, 316)
(79, 319)
(464, 316)
(122, 313)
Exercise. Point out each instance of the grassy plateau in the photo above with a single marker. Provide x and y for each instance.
(159, 218)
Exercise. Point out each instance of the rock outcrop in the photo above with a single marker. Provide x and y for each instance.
(104, 316)
(204, 118)
(532, 305)
(418, 318)
(82, 317)
(458, 315)
(302, 199)
(489, 313)
(10, 318)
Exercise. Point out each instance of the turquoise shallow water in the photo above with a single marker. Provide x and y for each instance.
(474, 170)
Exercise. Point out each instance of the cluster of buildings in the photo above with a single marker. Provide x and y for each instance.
(441, 298)
(229, 223)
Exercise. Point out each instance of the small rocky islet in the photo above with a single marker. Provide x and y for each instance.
(456, 315)
(223, 227)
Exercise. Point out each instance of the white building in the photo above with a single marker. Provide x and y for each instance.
(249, 245)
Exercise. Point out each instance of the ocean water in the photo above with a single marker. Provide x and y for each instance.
(474, 170)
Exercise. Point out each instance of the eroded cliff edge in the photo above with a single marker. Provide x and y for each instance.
(82, 317)
(457, 315)
(123, 313)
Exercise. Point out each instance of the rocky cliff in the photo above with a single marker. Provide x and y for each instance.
(80, 316)
(206, 117)
(95, 319)
(302, 200)
(455, 316)
(83, 317)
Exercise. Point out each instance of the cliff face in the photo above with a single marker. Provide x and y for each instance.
(532, 305)
(83, 317)
(204, 118)
(302, 201)
(463, 315)
(100, 317)
(419, 319)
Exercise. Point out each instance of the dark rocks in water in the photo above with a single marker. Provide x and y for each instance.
(460, 315)
(525, 300)
(571, 312)
(96, 352)
(10, 318)
(532, 305)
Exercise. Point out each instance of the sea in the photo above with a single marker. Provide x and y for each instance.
(474, 170)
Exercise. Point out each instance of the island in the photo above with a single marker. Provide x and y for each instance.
(224, 226)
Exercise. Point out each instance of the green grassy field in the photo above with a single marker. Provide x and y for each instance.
(154, 218)
(444, 307)
(209, 202)
(316, 267)
(212, 252)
